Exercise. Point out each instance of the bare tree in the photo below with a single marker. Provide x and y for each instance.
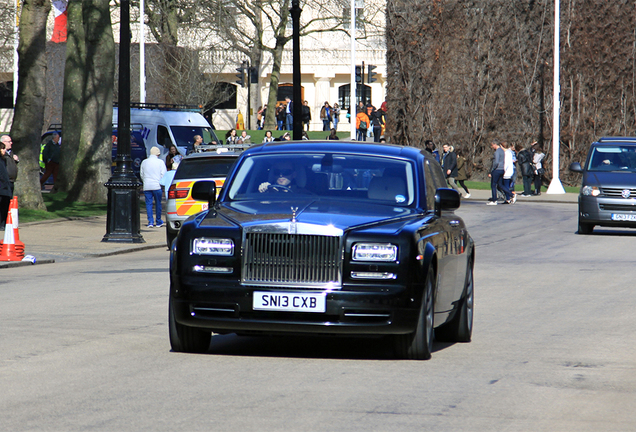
(29, 109)
(87, 106)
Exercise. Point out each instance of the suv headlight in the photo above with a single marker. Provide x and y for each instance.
(375, 252)
(213, 246)
(590, 190)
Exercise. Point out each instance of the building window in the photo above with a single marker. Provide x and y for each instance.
(6, 94)
(363, 93)
(346, 15)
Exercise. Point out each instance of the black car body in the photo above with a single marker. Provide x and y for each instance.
(365, 242)
(608, 188)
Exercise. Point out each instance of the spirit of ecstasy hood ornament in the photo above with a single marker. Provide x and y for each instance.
(294, 210)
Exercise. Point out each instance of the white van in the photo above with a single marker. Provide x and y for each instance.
(166, 124)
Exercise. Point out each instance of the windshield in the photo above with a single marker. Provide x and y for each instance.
(325, 175)
(613, 158)
(184, 135)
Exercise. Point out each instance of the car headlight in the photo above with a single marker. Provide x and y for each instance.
(375, 252)
(213, 246)
(590, 190)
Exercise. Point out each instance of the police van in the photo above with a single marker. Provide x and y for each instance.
(163, 125)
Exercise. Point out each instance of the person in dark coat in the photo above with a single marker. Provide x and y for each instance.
(5, 187)
(524, 160)
(449, 165)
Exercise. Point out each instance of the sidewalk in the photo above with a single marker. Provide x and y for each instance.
(71, 239)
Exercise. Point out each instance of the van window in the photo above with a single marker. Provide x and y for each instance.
(163, 137)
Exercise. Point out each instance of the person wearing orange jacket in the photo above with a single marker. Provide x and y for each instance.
(362, 125)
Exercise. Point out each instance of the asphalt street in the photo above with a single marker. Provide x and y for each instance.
(84, 346)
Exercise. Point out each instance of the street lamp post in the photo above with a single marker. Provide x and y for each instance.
(123, 224)
(298, 103)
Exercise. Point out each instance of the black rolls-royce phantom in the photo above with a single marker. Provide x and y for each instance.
(325, 238)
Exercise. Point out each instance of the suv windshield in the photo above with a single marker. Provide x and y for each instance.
(329, 175)
(184, 135)
(204, 167)
(613, 158)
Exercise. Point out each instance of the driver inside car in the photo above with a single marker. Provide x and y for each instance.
(282, 179)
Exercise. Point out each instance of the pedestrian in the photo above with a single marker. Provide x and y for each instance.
(289, 113)
(268, 137)
(51, 158)
(429, 145)
(167, 178)
(332, 135)
(151, 172)
(198, 141)
(524, 160)
(5, 187)
(462, 171)
(12, 161)
(173, 156)
(335, 115)
(496, 174)
(377, 121)
(449, 165)
(362, 125)
(230, 137)
(325, 116)
(280, 117)
(306, 115)
(259, 118)
(247, 139)
(509, 170)
(537, 160)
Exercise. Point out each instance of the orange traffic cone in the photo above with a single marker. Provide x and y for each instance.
(8, 252)
(13, 209)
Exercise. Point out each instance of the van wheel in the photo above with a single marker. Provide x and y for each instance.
(585, 228)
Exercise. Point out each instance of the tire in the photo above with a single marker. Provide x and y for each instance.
(170, 236)
(585, 228)
(184, 338)
(419, 344)
(460, 328)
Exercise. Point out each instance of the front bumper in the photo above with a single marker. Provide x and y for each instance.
(600, 210)
(367, 311)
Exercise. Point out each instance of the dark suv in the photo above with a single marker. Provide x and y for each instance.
(608, 188)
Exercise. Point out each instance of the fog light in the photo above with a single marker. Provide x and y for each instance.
(211, 269)
(373, 275)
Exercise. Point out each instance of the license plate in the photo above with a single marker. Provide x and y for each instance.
(290, 302)
(623, 217)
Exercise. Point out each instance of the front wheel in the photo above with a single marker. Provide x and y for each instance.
(585, 228)
(184, 338)
(419, 344)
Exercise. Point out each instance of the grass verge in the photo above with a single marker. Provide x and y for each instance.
(58, 207)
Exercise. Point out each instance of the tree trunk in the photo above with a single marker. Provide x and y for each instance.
(29, 109)
(272, 98)
(88, 101)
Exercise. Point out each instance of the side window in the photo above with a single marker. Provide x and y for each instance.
(430, 184)
(163, 137)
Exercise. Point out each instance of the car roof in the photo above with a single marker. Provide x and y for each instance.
(337, 146)
(614, 140)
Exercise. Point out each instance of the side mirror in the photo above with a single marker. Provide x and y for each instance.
(204, 190)
(576, 167)
(446, 199)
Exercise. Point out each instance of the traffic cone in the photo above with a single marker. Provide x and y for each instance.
(13, 209)
(8, 252)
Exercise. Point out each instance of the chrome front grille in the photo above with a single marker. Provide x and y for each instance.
(618, 192)
(310, 261)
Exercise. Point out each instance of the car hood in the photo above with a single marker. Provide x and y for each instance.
(611, 179)
(312, 217)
